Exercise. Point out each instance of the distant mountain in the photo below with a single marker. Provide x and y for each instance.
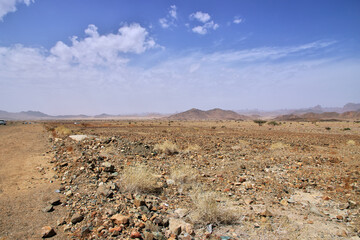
(353, 115)
(36, 115)
(316, 109)
(29, 115)
(351, 107)
(213, 114)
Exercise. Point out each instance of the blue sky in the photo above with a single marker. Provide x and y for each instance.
(92, 56)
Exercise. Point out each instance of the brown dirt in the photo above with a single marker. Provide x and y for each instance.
(25, 186)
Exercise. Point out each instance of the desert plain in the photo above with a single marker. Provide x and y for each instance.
(162, 179)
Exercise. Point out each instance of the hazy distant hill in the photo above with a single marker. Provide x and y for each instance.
(316, 109)
(351, 115)
(213, 114)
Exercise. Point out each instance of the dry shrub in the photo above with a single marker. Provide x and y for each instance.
(278, 145)
(62, 131)
(184, 174)
(167, 147)
(242, 144)
(351, 142)
(192, 148)
(210, 209)
(139, 178)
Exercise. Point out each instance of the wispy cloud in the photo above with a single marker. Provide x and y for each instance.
(170, 19)
(7, 6)
(237, 20)
(94, 74)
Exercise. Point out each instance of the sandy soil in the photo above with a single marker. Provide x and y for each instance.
(25, 186)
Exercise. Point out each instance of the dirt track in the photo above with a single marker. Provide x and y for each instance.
(25, 186)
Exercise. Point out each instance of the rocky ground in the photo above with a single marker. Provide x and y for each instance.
(205, 180)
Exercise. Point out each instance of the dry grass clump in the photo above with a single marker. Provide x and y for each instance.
(210, 209)
(351, 142)
(184, 174)
(167, 147)
(278, 145)
(192, 148)
(139, 178)
(62, 131)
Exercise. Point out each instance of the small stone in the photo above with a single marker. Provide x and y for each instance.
(248, 200)
(48, 208)
(139, 202)
(55, 201)
(266, 213)
(108, 167)
(120, 219)
(61, 221)
(352, 204)
(69, 193)
(284, 202)
(115, 230)
(135, 234)
(175, 226)
(47, 232)
(339, 217)
(181, 212)
(342, 233)
(76, 218)
(256, 225)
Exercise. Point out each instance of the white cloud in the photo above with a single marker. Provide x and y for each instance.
(200, 30)
(200, 16)
(164, 23)
(173, 12)
(207, 24)
(170, 19)
(237, 20)
(204, 28)
(98, 49)
(7, 6)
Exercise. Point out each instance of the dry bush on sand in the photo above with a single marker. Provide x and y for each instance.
(167, 147)
(192, 148)
(139, 178)
(62, 130)
(210, 209)
(184, 174)
(278, 145)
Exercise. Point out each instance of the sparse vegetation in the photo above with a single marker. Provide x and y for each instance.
(273, 123)
(209, 208)
(346, 129)
(192, 148)
(328, 128)
(184, 174)
(167, 147)
(62, 131)
(259, 122)
(139, 178)
(277, 145)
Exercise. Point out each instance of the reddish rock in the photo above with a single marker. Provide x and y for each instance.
(47, 232)
(135, 234)
(120, 219)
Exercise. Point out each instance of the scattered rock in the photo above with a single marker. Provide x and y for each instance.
(47, 232)
(120, 219)
(76, 218)
(48, 208)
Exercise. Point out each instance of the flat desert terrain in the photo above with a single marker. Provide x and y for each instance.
(180, 180)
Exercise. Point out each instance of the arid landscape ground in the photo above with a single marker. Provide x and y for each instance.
(162, 179)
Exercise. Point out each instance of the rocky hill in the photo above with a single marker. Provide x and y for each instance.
(213, 114)
(351, 115)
